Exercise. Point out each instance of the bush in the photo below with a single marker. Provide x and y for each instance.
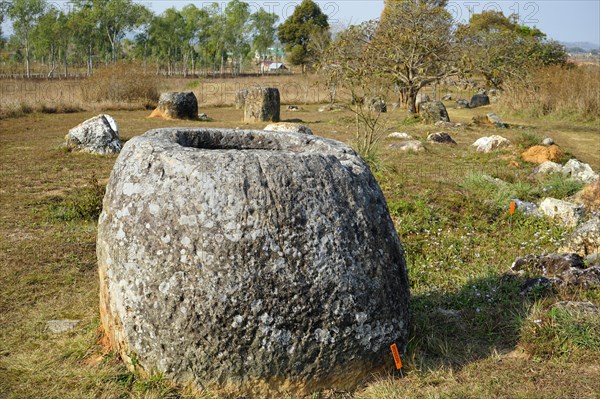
(83, 204)
(122, 83)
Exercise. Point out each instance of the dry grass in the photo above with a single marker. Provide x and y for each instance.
(459, 244)
(572, 93)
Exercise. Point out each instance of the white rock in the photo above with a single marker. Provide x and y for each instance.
(491, 143)
(548, 141)
(567, 213)
(98, 135)
(61, 326)
(400, 136)
(580, 171)
(546, 168)
(288, 127)
(411, 145)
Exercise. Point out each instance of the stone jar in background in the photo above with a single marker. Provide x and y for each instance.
(261, 105)
(250, 262)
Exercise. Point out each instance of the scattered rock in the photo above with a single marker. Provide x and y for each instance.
(204, 118)
(527, 208)
(240, 98)
(264, 262)
(61, 326)
(547, 141)
(584, 278)
(589, 196)
(592, 260)
(584, 307)
(462, 104)
(491, 143)
(261, 105)
(540, 154)
(434, 111)
(449, 125)
(586, 239)
(547, 168)
(176, 105)
(98, 135)
(492, 92)
(480, 120)
(400, 136)
(293, 108)
(288, 127)
(440, 138)
(378, 105)
(548, 265)
(411, 145)
(496, 121)
(580, 171)
(568, 213)
(447, 97)
(479, 100)
(331, 107)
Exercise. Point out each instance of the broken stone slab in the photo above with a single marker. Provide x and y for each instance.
(527, 208)
(410, 145)
(548, 141)
(331, 108)
(98, 135)
(460, 104)
(584, 278)
(491, 143)
(400, 136)
(61, 326)
(548, 265)
(580, 171)
(433, 111)
(250, 261)
(441, 138)
(496, 121)
(585, 240)
(288, 127)
(568, 213)
(547, 168)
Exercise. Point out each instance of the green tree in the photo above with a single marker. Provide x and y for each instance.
(295, 33)
(237, 15)
(263, 26)
(414, 46)
(25, 15)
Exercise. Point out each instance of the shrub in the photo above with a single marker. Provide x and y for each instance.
(122, 83)
(83, 204)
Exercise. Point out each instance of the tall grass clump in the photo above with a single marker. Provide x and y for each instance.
(571, 93)
(122, 83)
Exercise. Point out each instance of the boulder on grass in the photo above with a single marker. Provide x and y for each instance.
(410, 146)
(288, 127)
(569, 214)
(400, 136)
(540, 154)
(461, 103)
(547, 168)
(491, 143)
(479, 100)
(548, 265)
(580, 171)
(176, 105)
(586, 239)
(262, 105)
(496, 121)
(420, 99)
(434, 111)
(250, 262)
(98, 135)
(441, 138)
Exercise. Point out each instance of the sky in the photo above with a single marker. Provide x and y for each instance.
(563, 20)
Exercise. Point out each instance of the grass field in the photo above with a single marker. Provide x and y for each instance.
(473, 334)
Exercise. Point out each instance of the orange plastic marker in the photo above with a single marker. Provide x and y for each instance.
(512, 207)
(396, 355)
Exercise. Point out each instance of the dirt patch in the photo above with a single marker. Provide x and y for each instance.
(540, 154)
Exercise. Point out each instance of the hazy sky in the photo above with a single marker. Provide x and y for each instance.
(562, 20)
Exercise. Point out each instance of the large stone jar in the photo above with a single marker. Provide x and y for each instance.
(251, 262)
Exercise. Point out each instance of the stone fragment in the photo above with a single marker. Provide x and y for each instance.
(568, 213)
(98, 135)
(262, 105)
(288, 127)
(176, 105)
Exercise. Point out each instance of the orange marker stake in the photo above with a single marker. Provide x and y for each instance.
(396, 355)
(512, 207)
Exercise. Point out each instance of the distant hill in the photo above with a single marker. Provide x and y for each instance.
(580, 47)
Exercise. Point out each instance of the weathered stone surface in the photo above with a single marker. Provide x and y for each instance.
(548, 141)
(527, 208)
(449, 125)
(447, 97)
(251, 262)
(592, 260)
(586, 239)
(262, 105)
(491, 143)
(400, 136)
(61, 326)
(433, 111)
(548, 265)
(378, 105)
(539, 284)
(461, 103)
(240, 98)
(496, 120)
(441, 138)
(569, 214)
(584, 307)
(479, 100)
(176, 105)
(288, 127)
(580, 171)
(540, 154)
(589, 197)
(410, 145)
(584, 278)
(547, 168)
(98, 135)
